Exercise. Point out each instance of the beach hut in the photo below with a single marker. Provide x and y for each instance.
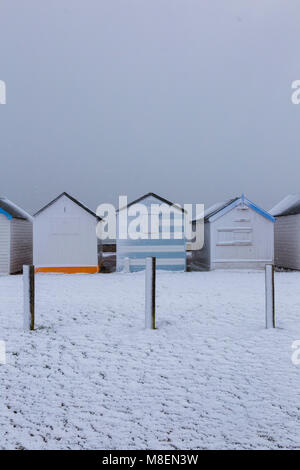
(64, 237)
(287, 232)
(15, 237)
(237, 234)
(159, 235)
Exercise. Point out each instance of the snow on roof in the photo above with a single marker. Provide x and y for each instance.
(13, 210)
(215, 208)
(288, 206)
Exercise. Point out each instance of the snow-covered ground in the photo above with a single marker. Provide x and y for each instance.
(91, 376)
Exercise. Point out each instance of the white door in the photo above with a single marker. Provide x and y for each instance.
(4, 244)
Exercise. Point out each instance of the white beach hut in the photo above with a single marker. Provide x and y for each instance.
(64, 237)
(15, 237)
(237, 234)
(287, 232)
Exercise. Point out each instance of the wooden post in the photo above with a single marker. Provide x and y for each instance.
(150, 293)
(126, 265)
(270, 296)
(28, 283)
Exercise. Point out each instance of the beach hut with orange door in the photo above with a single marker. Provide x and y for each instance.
(64, 237)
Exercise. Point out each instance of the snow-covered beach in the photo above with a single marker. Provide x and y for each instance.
(91, 377)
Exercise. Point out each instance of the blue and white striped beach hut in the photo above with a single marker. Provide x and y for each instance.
(144, 229)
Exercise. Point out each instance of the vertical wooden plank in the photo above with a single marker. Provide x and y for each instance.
(150, 290)
(270, 296)
(28, 285)
(127, 265)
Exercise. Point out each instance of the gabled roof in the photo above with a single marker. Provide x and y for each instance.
(73, 200)
(165, 201)
(290, 205)
(12, 211)
(211, 211)
(219, 209)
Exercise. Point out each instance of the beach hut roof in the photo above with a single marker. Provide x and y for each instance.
(72, 199)
(290, 205)
(165, 201)
(12, 211)
(221, 208)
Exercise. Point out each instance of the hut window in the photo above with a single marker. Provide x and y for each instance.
(234, 236)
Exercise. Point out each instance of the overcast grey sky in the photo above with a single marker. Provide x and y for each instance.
(187, 98)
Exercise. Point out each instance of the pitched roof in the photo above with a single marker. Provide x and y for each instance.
(222, 208)
(72, 199)
(155, 196)
(12, 211)
(214, 209)
(290, 205)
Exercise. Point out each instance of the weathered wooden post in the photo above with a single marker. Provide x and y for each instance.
(270, 296)
(126, 265)
(150, 293)
(28, 284)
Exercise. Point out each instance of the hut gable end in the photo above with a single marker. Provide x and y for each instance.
(170, 252)
(240, 235)
(65, 237)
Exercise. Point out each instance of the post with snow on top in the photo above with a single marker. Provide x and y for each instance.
(28, 285)
(270, 296)
(150, 293)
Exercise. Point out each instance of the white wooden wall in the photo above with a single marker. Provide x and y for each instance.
(287, 241)
(242, 238)
(64, 234)
(20, 244)
(4, 244)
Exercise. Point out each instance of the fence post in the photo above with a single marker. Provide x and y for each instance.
(126, 265)
(270, 296)
(150, 293)
(28, 284)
